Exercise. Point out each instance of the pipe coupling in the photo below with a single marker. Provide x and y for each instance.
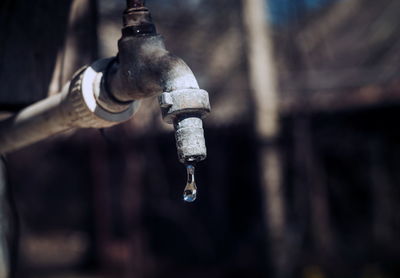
(88, 102)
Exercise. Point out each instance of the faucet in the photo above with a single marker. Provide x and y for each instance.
(109, 91)
(145, 68)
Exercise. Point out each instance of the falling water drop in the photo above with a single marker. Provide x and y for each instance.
(190, 192)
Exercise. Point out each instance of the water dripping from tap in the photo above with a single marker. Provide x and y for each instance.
(190, 191)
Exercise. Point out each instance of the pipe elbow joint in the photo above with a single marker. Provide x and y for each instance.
(144, 68)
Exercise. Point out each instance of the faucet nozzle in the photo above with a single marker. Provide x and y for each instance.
(185, 109)
(190, 142)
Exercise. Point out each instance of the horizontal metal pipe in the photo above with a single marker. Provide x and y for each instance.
(34, 123)
(82, 104)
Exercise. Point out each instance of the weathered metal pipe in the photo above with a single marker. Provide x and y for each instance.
(33, 123)
(82, 104)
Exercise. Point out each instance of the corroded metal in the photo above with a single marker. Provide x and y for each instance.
(189, 136)
(189, 101)
(144, 69)
(78, 106)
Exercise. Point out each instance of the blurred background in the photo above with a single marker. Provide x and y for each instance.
(302, 176)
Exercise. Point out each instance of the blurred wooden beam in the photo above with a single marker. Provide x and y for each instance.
(263, 83)
(4, 226)
(80, 46)
(8, 227)
(338, 79)
(350, 55)
(337, 100)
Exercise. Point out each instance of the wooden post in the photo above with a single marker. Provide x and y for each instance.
(80, 46)
(263, 82)
(8, 227)
(4, 226)
(311, 188)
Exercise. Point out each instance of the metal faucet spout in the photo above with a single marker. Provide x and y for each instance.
(144, 68)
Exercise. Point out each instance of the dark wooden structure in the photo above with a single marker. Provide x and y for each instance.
(343, 57)
(42, 44)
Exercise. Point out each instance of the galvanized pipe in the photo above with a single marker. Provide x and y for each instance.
(34, 123)
(82, 104)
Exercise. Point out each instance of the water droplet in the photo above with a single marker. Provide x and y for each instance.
(190, 192)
